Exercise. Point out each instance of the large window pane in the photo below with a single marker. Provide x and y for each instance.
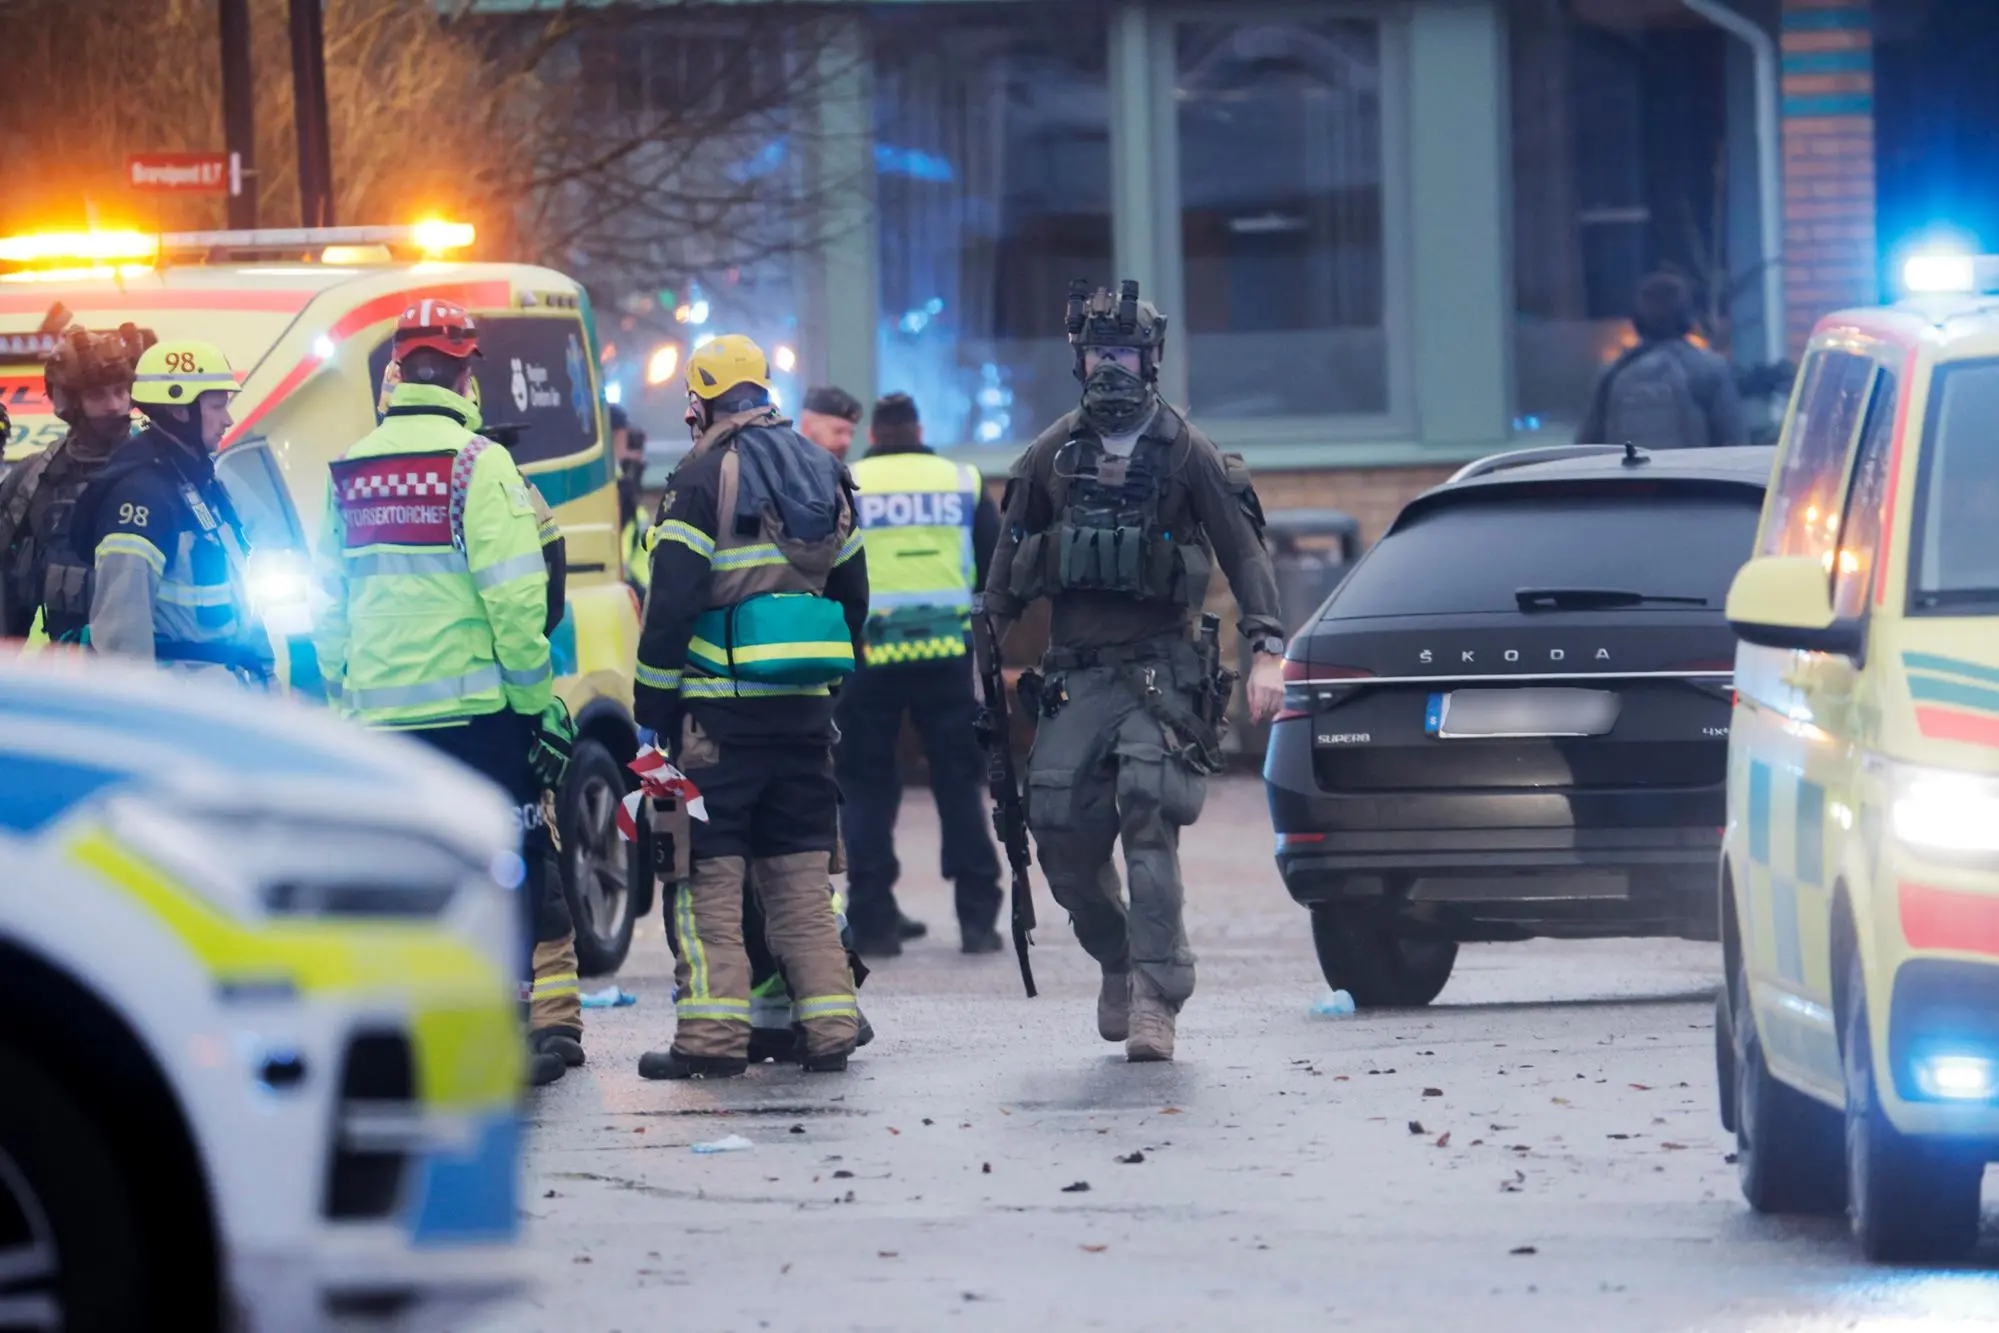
(1618, 163)
(1281, 218)
(993, 190)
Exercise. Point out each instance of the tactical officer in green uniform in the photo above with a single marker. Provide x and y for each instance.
(1117, 514)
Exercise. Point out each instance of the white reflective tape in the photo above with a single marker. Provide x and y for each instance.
(429, 692)
(518, 567)
(405, 562)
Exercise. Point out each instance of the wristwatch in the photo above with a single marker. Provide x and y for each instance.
(1269, 643)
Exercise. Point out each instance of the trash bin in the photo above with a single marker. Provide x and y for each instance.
(1311, 551)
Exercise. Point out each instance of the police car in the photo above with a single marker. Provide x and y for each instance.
(1857, 1040)
(304, 317)
(261, 1057)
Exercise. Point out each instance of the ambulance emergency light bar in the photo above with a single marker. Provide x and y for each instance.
(351, 244)
(1950, 272)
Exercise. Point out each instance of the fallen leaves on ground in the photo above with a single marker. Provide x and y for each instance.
(1080, 1187)
(798, 1129)
(1523, 1249)
(843, 1175)
(1093, 1249)
(1416, 1127)
(985, 1168)
(1132, 1158)
(1433, 1092)
(1444, 1139)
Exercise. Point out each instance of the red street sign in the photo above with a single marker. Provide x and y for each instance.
(179, 173)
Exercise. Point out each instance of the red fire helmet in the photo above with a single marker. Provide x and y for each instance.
(441, 326)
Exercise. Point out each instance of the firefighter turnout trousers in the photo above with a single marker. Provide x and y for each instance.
(772, 819)
(497, 746)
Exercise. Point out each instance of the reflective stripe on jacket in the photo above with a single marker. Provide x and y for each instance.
(916, 512)
(432, 567)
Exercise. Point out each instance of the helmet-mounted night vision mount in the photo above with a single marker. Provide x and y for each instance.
(1102, 318)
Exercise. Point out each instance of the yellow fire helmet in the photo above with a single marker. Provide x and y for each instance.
(176, 372)
(721, 365)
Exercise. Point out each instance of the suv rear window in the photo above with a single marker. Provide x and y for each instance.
(1472, 555)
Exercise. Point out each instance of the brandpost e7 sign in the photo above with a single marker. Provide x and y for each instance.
(184, 173)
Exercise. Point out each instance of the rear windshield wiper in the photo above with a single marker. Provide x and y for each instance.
(1589, 599)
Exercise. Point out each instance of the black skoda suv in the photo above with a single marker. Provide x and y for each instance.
(1512, 718)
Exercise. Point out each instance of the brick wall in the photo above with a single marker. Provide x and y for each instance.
(1828, 129)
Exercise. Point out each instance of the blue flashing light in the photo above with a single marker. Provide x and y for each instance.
(614, 393)
(1936, 272)
(1958, 1078)
(913, 163)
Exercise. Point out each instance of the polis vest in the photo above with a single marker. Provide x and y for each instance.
(916, 512)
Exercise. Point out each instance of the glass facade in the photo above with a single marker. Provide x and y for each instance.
(1279, 131)
(992, 190)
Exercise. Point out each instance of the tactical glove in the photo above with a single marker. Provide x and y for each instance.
(548, 752)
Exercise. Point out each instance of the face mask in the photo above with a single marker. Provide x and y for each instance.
(1115, 401)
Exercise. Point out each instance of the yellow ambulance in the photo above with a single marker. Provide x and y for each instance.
(304, 317)
(1857, 1037)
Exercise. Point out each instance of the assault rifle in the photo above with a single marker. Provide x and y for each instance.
(995, 731)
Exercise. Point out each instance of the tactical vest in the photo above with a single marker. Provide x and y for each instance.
(916, 514)
(767, 621)
(1120, 526)
(43, 568)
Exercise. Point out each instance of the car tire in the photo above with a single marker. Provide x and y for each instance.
(599, 868)
(1908, 1201)
(1787, 1146)
(1724, 1059)
(69, 1228)
(1381, 967)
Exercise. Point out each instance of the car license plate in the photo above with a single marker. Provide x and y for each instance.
(1493, 714)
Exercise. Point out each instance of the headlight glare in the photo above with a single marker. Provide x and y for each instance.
(1940, 811)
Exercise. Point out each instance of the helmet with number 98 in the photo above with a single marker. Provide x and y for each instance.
(177, 372)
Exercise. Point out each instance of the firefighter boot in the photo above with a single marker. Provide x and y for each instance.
(1114, 1007)
(711, 972)
(1151, 1036)
(555, 1001)
(543, 1067)
(805, 936)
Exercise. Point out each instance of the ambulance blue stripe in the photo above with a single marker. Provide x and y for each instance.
(1784, 929)
(1928, 689)
(1811, 833)
(1950, 666)
(1759, 813)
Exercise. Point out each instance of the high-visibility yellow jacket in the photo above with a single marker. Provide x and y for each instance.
(431, 564)
(916, 511)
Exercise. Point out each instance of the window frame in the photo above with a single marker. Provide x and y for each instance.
(1787, 445)
(1919, 507)
(1879, 403)
(1162, 219)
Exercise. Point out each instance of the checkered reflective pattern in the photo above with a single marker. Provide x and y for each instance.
(398, 485)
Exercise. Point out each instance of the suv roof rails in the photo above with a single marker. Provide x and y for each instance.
(1547, 453)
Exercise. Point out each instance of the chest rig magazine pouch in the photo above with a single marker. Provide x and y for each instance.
(1121, 526)
(43, 566)
(768, 622)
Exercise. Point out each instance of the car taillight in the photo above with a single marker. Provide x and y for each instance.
(1308, 686)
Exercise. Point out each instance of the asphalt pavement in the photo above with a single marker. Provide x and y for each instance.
(1538, 1150)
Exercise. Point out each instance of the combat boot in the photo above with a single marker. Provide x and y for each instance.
(1151, 1024)
(1114, 1007)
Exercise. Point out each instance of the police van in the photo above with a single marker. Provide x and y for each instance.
(1857, 1038)
(262, 1055)
(305, 318)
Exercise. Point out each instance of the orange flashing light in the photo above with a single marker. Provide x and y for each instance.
(100, 246)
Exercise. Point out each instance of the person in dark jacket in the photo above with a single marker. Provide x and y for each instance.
(1665, 393)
